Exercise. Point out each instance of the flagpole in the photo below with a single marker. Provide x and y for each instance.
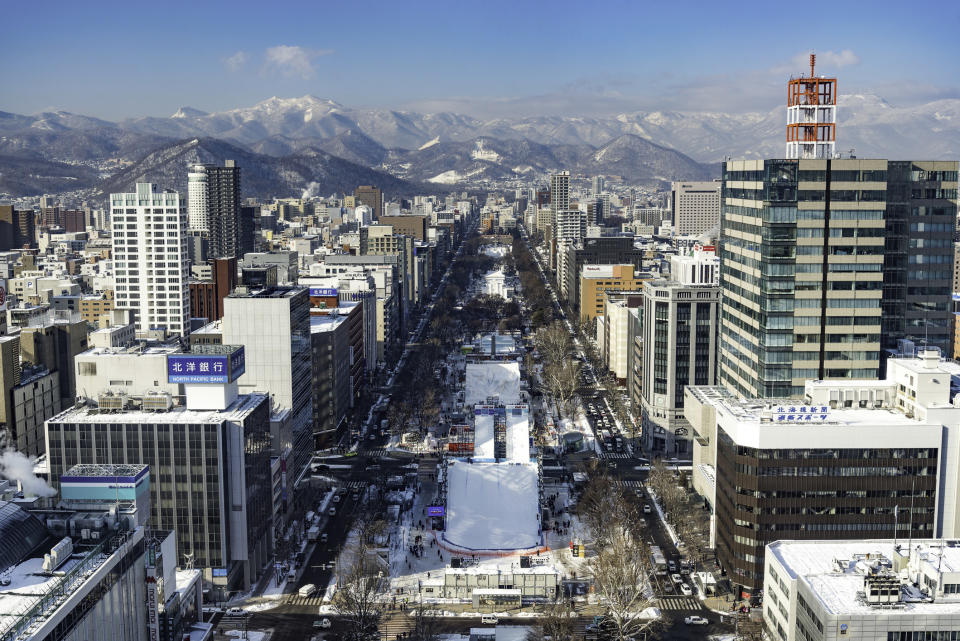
(896, 508)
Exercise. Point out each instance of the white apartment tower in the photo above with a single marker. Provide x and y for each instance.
(150, 258)
(198, 204)
(560, 191)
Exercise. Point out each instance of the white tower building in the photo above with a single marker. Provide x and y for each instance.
(560, 191)
(198, 205)
(150, 258)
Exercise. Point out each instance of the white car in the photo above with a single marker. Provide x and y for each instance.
(686, 590)
(676, 578)
(696, 620)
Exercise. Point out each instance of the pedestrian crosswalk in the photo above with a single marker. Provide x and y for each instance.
(356, 485)
(631, 483)
(619, 455)
(680, 603)
(313, 601)
(392, 627)
(380, 451)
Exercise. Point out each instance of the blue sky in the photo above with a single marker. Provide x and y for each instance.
(488, 58)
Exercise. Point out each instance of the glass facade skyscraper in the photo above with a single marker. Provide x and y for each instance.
(827, 264)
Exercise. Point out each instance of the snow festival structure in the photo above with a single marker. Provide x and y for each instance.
(492, 498)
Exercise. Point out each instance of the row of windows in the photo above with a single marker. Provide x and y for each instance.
(828, 470)
(924, 635)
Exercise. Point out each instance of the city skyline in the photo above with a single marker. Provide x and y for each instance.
(499, 63)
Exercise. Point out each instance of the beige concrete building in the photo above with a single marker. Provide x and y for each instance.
(596, 279)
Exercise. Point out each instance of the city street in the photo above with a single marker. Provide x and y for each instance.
(368, 466)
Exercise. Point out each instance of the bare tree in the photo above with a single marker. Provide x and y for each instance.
(557, 622)
(596, 506)
(621, 572)
(425, 627)
(553, 343)
(561, 380)
(358, 599)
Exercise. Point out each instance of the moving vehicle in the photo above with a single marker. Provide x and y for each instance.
(332, 511)
(323, 623)
(237, 612)
(313, 533)
(686, 590)
(489, 618)
(323, 537)
(647, 509)
(676, 578)
(307, 590)
(696, 620)
(658, 560)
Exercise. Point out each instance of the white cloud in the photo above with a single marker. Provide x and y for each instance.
(293, 60)
(800, 63)
(843, 58)
(236, 61)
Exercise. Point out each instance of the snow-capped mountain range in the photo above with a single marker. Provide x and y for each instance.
(867, 123)
(455, 149)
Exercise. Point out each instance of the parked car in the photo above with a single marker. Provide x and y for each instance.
(686, 590)
(676, 578)
(696, 620)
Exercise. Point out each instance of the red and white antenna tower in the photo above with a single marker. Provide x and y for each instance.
(811, 115)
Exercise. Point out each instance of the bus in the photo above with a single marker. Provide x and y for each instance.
(658, 561)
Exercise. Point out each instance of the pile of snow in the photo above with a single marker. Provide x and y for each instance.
(492, 506)
(492, 378)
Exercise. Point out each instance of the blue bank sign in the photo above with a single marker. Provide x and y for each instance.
(205, 368)
(323, 291)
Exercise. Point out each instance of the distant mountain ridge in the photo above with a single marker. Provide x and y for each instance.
(449, 148)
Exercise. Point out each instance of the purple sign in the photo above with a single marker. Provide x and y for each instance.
(435, 510)
(323, 291)
(205, 368)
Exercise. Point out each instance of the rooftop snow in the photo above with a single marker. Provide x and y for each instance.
(492, 506)
(814, 563)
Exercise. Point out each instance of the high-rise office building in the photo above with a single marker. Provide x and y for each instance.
(679, 323)
(370, 196)
(560, 191)
(150, 257)
(209, 471)
(597, 186)
(825, 263)
(213, 206)
(273, 325)
(695, 207)
(17, 228)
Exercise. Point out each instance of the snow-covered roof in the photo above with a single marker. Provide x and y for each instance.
(816, 563)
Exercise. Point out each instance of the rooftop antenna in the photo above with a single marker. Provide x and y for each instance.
(813, 62)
